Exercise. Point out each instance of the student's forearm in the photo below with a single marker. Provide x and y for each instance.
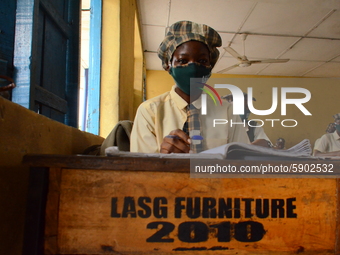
(326, 154)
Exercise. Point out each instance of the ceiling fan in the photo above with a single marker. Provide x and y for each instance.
(243, 60)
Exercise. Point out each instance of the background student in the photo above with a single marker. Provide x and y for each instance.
(329, 144)
(255, 132)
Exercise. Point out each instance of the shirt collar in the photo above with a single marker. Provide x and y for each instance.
(335, 135)
(197, 103)
(180, 102)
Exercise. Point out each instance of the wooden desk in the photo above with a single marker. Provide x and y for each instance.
(122, 205)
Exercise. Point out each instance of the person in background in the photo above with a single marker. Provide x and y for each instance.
(164, 123)
(256, 134)
(331, 128)
(329, 144)
(280, 144)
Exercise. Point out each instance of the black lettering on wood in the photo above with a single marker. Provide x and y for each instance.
(209, 210)
(237, 208)
(262, 208)
(146, 212)
(193, 207)
(129, 207)
(179, 207)
(160, 211)
(223, 231)
(167, 228)
(225, 208)
(249, 231)
(277, 208)
(247, 207)
(290, 208)
(114, 213)
(193, 232)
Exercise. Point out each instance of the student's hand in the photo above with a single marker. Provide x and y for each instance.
(262, 142)
(176, 142)
(326, 154)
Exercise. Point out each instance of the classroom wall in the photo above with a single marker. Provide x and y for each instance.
(25, 132)
(122, 64)
(109, 84)
(322, 105)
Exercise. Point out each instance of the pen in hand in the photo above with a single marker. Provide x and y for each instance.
(194, 137)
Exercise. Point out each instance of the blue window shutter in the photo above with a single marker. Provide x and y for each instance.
(93, 93)
(46, 58)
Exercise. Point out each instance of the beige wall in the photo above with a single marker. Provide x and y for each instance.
(122, 64)
(25, 132)
(109, 96)
(323, 103)
(139, 68)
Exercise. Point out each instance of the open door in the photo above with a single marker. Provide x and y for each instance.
(46, 58)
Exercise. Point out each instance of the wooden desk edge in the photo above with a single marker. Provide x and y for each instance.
(142, 163)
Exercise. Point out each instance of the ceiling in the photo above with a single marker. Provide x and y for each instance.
(305, 31)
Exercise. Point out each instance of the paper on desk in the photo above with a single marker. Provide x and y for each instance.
(237, 150)
(113, 151)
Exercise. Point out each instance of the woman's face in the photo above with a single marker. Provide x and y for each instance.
(191, 52)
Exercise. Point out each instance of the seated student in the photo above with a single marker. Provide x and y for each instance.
(280, 144)
(329, 144)
(256, 134)
(188, 51)
(330, 129)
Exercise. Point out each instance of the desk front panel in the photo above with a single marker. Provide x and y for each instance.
(140, 212)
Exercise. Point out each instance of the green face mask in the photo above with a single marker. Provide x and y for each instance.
(337, 126)
(182, 75)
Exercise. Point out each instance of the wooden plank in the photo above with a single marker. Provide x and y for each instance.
(337, 237)
(7, 29)
(73, 63)
(108, 163)
(123, 212)
(57, 18)
(119, 205)
(37, 61)
(157, 164)
(52, 209)
(3, 66)
(53, 79)
(35, 211)
(50, 99)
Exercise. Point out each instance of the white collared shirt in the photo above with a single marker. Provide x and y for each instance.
(328, 143)
(157, 117)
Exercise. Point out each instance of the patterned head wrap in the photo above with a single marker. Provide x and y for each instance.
(336, 116)
(184, 31)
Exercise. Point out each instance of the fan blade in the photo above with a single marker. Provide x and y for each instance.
(227, 69)
(269, 61)
(233, 52)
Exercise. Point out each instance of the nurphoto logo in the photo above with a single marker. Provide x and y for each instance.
(238, 104)
(238, 100)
